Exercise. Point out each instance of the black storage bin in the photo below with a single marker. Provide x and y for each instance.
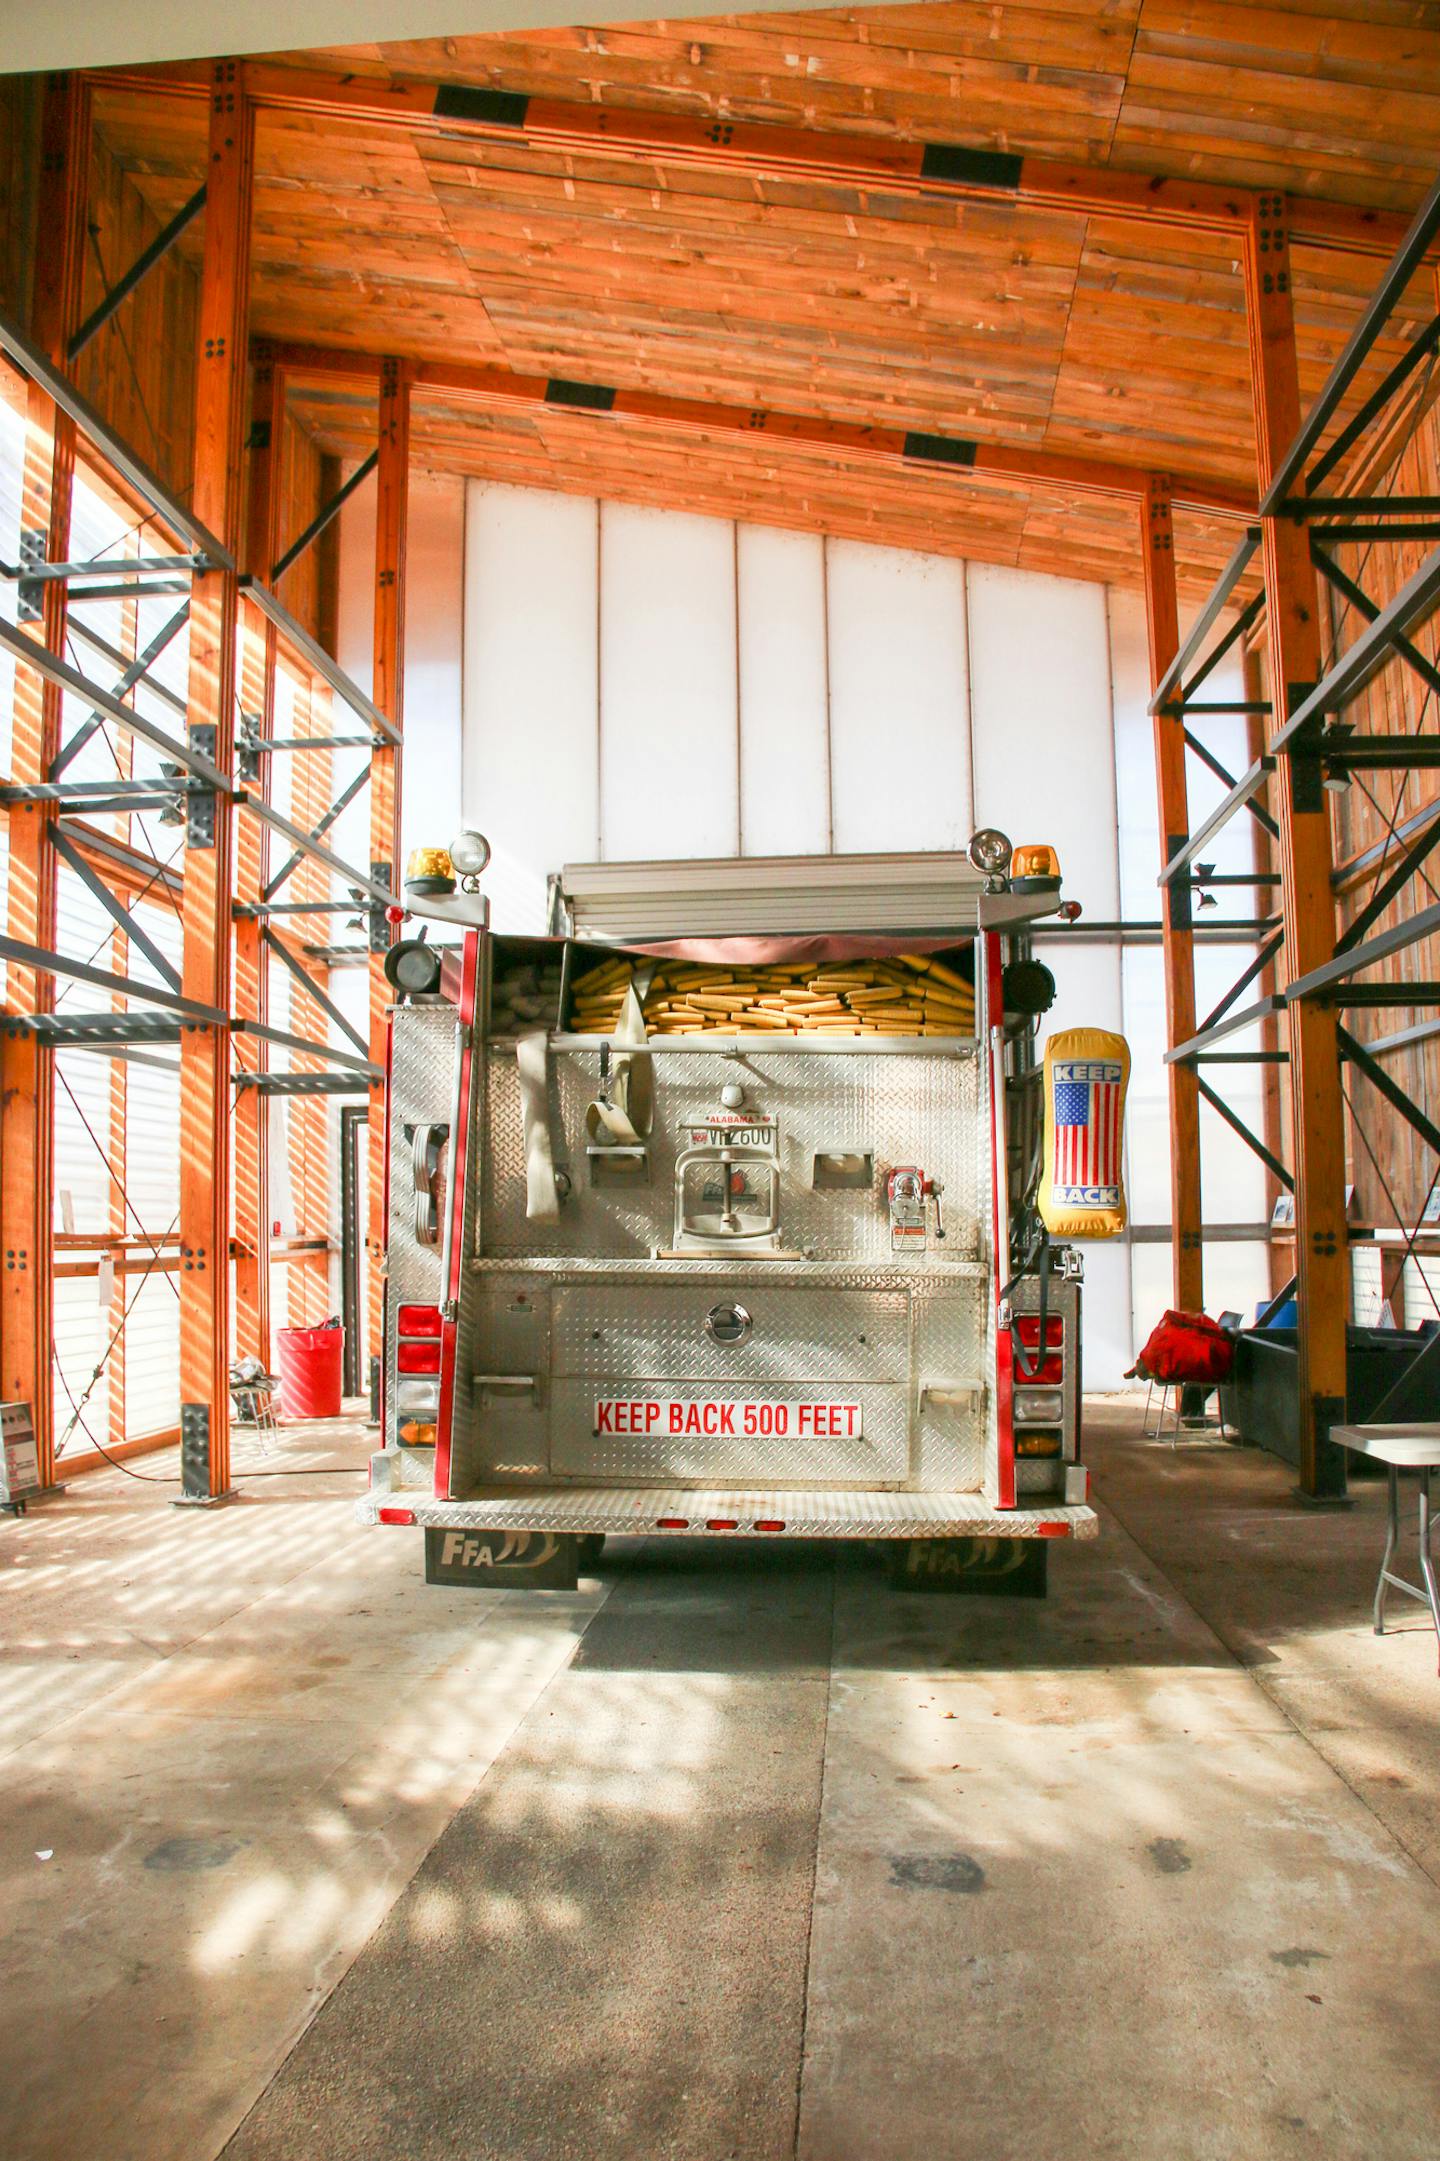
(1261, 1399)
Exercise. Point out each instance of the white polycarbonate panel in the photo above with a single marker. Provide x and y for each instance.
(1040, 693)
(784, 746)
(530, 781)
(669, 723)
(899, 702)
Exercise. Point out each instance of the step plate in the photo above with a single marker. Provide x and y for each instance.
(804, 1515)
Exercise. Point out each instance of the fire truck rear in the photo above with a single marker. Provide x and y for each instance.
(712, 1214)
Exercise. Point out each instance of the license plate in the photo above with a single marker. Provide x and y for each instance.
(713, 1418)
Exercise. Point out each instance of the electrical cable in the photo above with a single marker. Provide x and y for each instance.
(1409, 1245)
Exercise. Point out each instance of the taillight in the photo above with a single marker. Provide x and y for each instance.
(672, 1523)
(770, 1523)
(1039, 1441)
(396, 1515)
(419, 1321)
(722, 1523)
(1028, 1328)
(417, 1358)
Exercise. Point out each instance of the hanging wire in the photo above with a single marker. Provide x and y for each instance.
(1412, 1235)
(155, 1249)
(77, 1410)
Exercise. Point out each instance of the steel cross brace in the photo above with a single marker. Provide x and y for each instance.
(312, 989)
(59, 671)
(308, 843)
(115, 909)
(1237, 1125)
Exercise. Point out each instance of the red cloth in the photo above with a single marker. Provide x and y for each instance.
(1188, 1349)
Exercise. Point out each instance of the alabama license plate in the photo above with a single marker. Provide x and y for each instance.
(713, 1418)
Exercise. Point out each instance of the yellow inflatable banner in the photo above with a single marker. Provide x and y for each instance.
(1082, 1185)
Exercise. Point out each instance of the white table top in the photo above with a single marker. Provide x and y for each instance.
(1411, 1447)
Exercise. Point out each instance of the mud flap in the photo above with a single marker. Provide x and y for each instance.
(502, 1560)
(994, 1567)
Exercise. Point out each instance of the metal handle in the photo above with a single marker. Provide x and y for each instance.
(456, 1168)
(508, 1384)
(425, 1159)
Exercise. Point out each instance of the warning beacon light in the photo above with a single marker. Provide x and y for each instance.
(1035, 870)
(429, 874)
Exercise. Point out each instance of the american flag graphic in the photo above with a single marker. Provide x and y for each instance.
(1087, 1096)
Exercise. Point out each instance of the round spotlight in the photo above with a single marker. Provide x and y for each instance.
(469, 853)
(413, 967)
(990, 851)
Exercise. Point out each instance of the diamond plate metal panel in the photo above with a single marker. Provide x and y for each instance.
(879, 1455)
(828, 1338)
(950, 1347)
(914, 1109)
(802, 1515)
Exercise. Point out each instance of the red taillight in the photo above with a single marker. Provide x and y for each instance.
(1027, 1327)
(770, 1523)
(1053, 1530)
(396, 1515)
(672, 1523)
(417, 1358)
(419, 1320)
(722, 1523)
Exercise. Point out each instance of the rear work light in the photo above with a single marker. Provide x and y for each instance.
(417, 1358)
(419, 1321)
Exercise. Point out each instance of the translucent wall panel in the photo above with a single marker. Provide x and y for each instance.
(530, 778)
(784, 746)
(669, 718)
(1040, 692)
(899, 702)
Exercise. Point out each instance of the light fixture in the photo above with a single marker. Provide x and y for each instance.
(1036, 869)
(990, 851)
(429, 874)
(413, 967)
(469, 853)
(1204, 872)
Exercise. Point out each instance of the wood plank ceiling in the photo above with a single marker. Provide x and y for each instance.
(1095, 336)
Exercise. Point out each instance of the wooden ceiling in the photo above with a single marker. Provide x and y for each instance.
(1100, 336)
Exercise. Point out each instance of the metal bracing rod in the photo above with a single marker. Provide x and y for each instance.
(1382, 506)
(1248, 785)
(59, 671)
(317, 659)
(44, 962)
(99, 794)
(258, 910)
(77, 627)
(115, 909)
(1205, 622)
(1365, 955)
(1244, 622)
(1282, 1297)
(1237, 1125)
(312, 989)
(309, 846)
(1241, 1057)
(144, 867)
(262, 746)
(95, 1028)
(1408, 258)
(1380, 753)
(1208, 757)
(1408, 992)
(1360, 600)
(1379, 398)
(143, 264)
(328, 1051)
(1393, 1093)
(32, 362)
(303, 1084)
(134, 672)
(307, 841)
(1246, 1018)
(155, 588)
(1263, 957)
(1373, 532)
(1370, 652)
(1384, 1046)
(323, 517)
(1228, 705)
(130, 568)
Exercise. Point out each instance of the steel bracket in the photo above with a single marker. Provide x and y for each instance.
(200, 802)
(30, 593)
(378, 926)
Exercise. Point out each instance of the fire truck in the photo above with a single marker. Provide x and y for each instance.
(711, 1214)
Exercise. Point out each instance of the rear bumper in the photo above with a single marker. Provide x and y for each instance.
(682, 1511)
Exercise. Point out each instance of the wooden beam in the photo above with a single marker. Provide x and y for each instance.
(1162, 620)
(217, 499)
(1322, 1257)
(252, 868)
(961, 458)
(388, 692)
(26, 1064)
(817, 155)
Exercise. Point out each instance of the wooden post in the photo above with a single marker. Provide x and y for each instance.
(252, 861)
(27, 1069)
(207, 921)
(392, 478)
(1162, 620)
(1322, 1259)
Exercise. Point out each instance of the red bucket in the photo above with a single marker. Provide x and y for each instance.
(309, 1360)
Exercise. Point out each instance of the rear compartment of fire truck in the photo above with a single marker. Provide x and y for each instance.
(696, 1228)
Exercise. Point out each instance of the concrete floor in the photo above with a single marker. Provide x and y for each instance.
(731, 1854)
